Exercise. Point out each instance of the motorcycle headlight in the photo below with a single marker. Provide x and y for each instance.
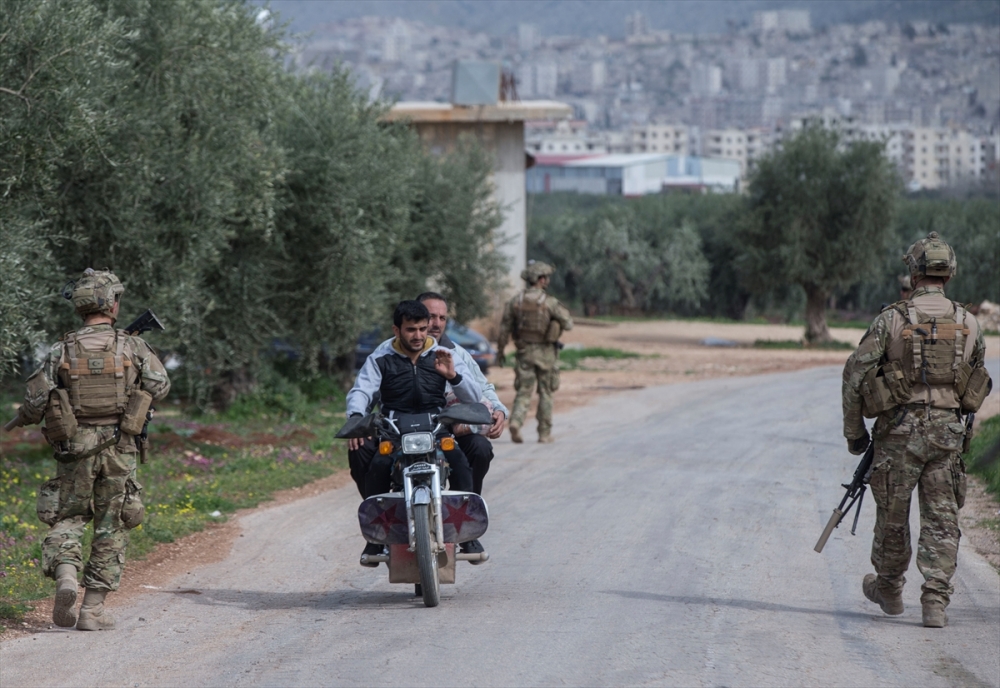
(418, 443)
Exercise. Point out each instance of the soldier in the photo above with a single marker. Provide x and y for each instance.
(93, 389)
(535, 320)
(918, 368)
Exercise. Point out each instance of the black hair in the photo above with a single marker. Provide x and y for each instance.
(432, 296)
(414, 311)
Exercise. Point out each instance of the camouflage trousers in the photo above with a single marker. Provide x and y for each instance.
(94, 489)
(927, 459)
(527, 378)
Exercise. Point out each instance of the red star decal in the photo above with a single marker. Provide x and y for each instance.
(387, 519)
(459, 516)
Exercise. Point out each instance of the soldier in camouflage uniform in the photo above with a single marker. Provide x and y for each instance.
(93, 390)
(535, 321)
(917, 370)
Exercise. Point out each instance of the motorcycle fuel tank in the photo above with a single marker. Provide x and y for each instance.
(383, 518)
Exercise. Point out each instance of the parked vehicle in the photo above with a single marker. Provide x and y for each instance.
(476, 344)
(418, 521)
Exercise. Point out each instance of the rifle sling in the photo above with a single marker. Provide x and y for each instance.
(67, 457)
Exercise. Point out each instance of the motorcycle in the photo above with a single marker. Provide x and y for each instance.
(417, 521)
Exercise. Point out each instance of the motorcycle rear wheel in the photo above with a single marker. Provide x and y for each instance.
(427, 562)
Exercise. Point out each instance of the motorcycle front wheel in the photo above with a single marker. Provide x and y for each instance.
(427, 562)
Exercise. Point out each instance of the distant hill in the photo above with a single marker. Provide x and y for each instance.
(592, 17)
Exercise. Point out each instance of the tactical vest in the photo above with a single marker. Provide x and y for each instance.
(934, 348)
(532, 318)
(95, 380)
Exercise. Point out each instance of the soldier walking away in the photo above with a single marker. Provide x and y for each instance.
(93, 390)
(535, 321)
(918, 370)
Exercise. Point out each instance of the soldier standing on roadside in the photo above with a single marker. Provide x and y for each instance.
(918, 368)
(93, 390)
(535, 321)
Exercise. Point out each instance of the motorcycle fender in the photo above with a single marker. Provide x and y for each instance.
(421, 495)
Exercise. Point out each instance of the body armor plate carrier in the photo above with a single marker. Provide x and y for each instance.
(95, 379)
(532, 318)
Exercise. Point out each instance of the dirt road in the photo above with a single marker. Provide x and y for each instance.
(665, 539)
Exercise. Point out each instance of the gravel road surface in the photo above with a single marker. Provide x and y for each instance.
(665, 538)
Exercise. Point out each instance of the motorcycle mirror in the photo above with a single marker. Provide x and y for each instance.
(473, 414)
(357, 427)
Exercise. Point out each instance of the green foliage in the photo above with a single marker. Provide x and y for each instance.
(983, 457)
(617, 255)
(164, 140)
(570, 359)
(832, 344)
(819, 216)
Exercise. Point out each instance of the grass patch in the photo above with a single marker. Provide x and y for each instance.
(796, 344)
(983, 457)
(569, 359)
(198, 465)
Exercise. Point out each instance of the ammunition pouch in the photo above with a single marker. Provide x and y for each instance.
(553, 332)
(47, 502)
(60, 422)
(136, 409)
(133, 510)
(884, 388)
(976, 388)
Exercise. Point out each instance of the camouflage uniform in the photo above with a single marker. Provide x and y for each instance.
(100, 486)
(535, 320)
(918, 433)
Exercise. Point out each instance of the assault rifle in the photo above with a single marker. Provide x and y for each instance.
(144, 323)
(855, 492)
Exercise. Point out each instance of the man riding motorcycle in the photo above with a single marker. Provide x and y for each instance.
(411, 375)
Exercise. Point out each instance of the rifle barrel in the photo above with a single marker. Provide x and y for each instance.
(834, 521)
(14, 422)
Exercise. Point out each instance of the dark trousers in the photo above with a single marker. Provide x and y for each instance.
(379, 476)
(479, 450)
(359, 461)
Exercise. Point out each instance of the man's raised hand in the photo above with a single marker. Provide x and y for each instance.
(444, 364)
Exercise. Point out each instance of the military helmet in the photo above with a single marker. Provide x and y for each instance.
(931, 257)
(535, 270)
(96, 291)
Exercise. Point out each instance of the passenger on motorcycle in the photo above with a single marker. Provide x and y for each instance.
(410, 374)
(472, 439)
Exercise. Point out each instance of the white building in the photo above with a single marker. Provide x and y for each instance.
(661, 138)
(635, 174)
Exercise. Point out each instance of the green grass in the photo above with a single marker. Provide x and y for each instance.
(983, 457)
(795, 344)
(569, 359)
(184, 481)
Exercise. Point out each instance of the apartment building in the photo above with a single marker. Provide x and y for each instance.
(730, 144)
(661, 138)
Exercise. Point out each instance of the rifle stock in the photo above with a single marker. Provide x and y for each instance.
(855, 493)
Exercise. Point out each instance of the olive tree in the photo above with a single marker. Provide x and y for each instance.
(819, 215)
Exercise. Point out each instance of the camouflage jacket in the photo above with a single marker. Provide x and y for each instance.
(146, 370)
(884, 342)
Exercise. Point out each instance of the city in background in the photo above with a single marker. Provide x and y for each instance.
(929, 89)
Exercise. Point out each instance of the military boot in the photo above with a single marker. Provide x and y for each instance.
(93, 615)
(515, 434)
(546, 439)
(891, 603)
(934, 615)
(64, 611)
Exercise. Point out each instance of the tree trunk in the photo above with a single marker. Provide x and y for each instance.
(816, 329)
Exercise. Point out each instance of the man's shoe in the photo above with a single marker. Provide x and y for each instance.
(934, 615)
(473, 547)
(891, 603)
(545, 439)
(515, 435)
(93, 615)
(64, 611)
(371, 549)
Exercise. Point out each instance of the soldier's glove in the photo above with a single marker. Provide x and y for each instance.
(860, 445)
